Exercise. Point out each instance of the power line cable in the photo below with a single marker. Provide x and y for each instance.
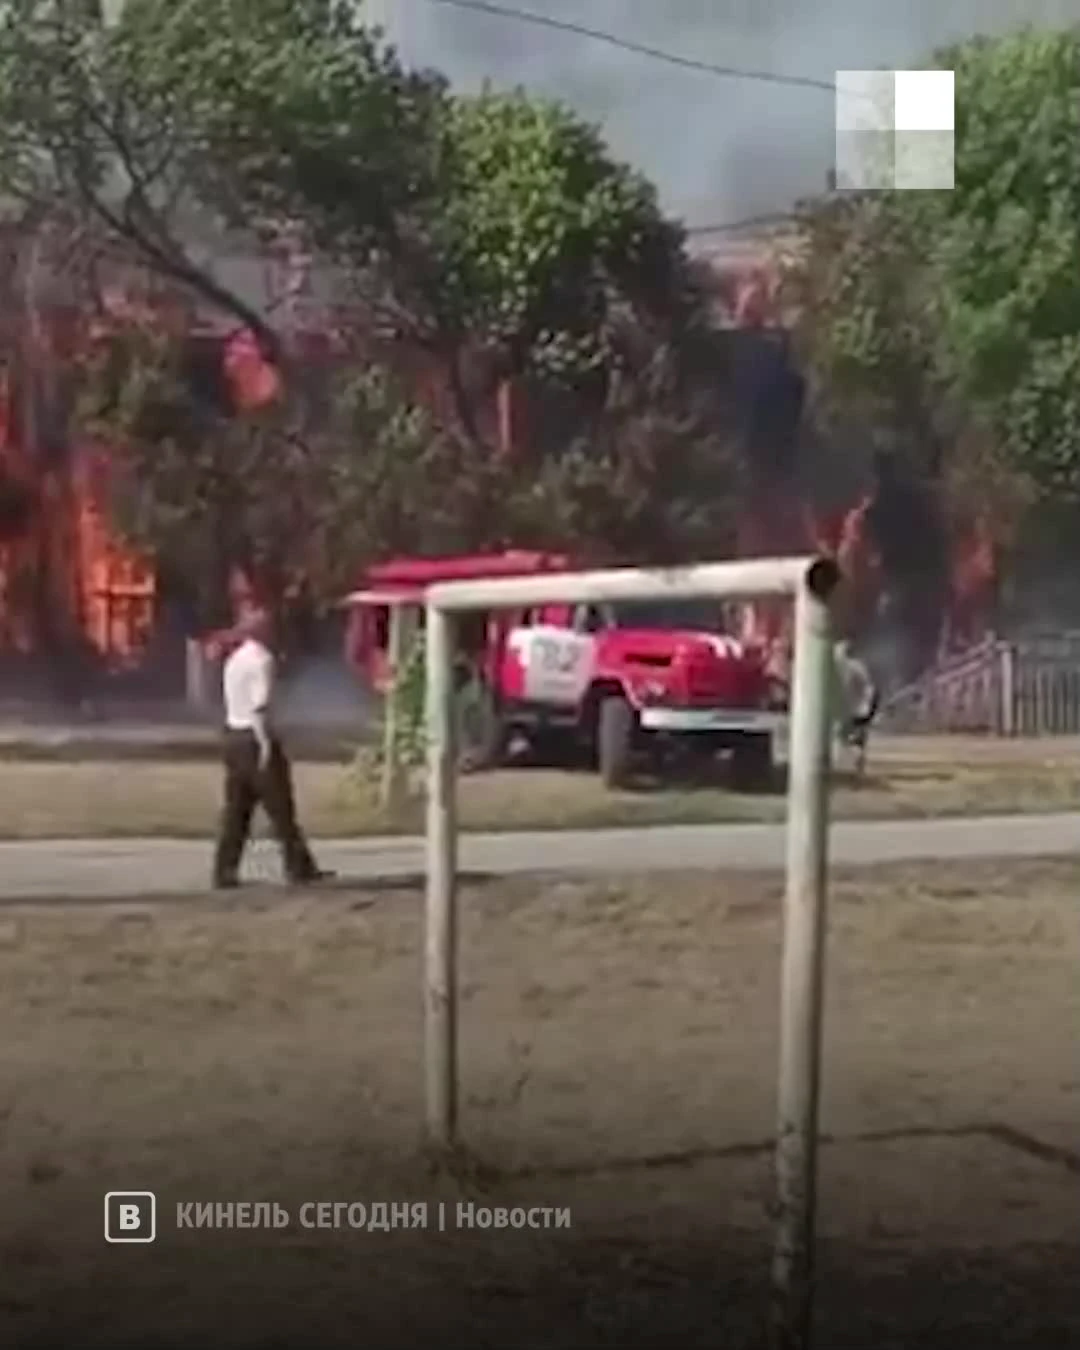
(510, 12)
(514, 14)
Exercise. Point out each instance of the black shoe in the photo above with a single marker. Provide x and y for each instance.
(226, 883)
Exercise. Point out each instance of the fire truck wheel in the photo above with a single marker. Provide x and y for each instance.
(752, 763)
(615, 737)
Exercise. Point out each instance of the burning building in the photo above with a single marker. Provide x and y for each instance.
(74, 598)
(743, 270)
(933, 577)
(68, 589)
(73, 593)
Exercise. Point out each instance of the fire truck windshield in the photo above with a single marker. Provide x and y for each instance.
(702, 616)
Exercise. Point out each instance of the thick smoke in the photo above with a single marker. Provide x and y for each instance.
(321, 693)
(719, 149)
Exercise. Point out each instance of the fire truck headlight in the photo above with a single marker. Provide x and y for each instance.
(652, 691)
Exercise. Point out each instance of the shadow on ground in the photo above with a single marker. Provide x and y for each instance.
(642, 1262)
(259, 896)
(618, 1061)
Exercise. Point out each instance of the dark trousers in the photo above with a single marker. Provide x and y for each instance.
(248, 786)
(857, 731)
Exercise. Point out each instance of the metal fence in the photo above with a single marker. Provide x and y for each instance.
(1029, 686)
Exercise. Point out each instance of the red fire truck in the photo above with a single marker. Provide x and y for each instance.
(620, 682)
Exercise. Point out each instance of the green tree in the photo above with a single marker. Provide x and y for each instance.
(546, 246)
(345, 467)
(157, 125)
(296, 494)
(471, 240)
(495, 231)
(500, 240)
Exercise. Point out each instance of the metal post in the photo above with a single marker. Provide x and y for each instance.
(802, 972)
(392, 777)
(440, 935)
(811, 581)
(196, 675)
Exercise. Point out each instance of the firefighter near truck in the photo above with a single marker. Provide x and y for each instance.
(621, 686)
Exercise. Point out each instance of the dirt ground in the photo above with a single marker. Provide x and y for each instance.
(907, 777)
(619, 1042)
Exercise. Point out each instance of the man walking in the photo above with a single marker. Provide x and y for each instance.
(257, 771)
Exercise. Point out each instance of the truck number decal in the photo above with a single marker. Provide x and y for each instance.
(558, 658)
(557, 664)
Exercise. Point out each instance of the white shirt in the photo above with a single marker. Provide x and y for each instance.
(247, 685)
(856, 688)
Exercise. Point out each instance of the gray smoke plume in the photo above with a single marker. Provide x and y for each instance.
(322, 693)
(718, 149)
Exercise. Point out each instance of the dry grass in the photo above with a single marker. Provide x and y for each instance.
(619, 1049)
(180, 798)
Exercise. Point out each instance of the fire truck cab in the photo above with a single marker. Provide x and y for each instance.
(619, 682)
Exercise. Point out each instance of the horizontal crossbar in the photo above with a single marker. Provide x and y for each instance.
(705, 581)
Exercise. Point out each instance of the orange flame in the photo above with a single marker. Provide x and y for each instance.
(253, 380)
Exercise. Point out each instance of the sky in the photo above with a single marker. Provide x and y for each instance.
(718, 149)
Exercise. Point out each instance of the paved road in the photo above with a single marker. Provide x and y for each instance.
(94, 869)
